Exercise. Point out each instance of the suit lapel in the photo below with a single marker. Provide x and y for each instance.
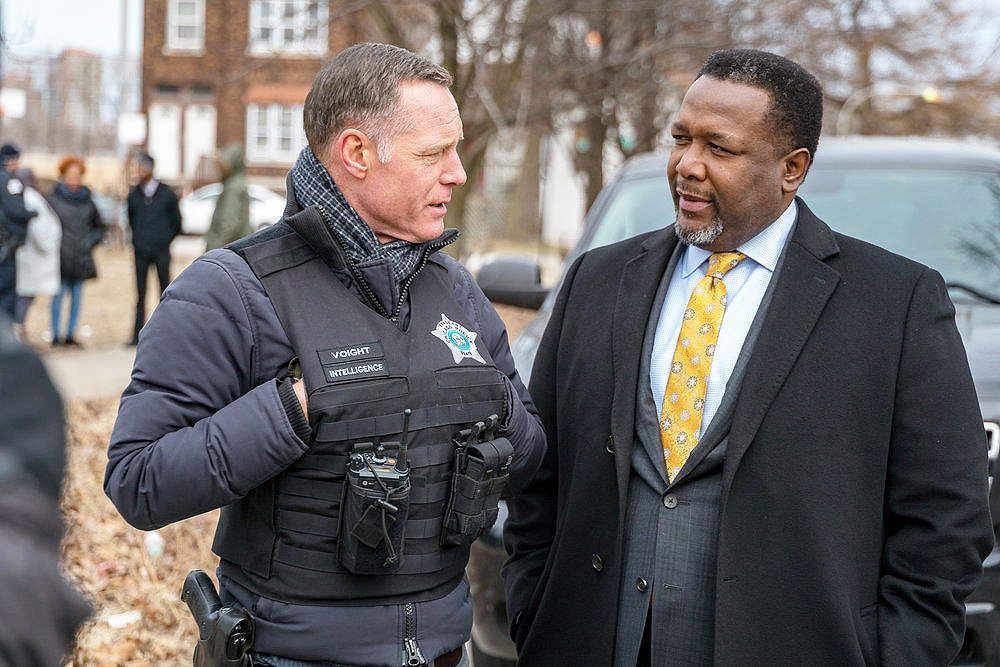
(804, 285)
(636, 290)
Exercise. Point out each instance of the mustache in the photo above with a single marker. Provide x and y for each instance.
(695, 194)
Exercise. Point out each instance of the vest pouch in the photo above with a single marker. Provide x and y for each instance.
(374, 510)
(481, 473)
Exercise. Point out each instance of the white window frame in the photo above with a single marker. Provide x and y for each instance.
(284, 26)
(194, 22)
(274, 133)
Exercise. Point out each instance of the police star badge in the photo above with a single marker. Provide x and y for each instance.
(459, 340)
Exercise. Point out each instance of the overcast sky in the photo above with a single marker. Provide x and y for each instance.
(46, 27)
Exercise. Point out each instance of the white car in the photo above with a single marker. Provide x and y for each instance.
(197, 207)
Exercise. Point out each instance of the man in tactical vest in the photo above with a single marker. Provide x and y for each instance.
(340, 388)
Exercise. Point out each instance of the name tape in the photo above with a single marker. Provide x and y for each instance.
(356, 352)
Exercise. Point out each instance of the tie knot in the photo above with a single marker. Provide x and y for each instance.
(720, 263)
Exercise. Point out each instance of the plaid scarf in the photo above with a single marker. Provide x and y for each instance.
(313, 186)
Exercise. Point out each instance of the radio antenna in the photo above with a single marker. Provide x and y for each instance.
(401, 465)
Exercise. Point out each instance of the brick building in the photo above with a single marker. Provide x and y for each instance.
(222, 71)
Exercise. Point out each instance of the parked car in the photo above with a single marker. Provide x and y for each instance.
(935, 201)
(197, 207)
(113, 215)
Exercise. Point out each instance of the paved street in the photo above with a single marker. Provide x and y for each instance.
(90, 373)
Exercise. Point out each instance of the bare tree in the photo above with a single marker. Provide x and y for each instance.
(615, 73)
(891, 67)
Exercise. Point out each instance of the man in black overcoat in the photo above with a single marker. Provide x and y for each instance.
(154, 216)
(833, 509)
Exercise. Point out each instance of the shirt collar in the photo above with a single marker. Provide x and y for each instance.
(764, 249)
(149, 187)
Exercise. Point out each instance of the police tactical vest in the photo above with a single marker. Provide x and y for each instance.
(361, 371)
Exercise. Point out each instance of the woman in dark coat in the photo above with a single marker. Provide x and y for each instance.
(81, 231)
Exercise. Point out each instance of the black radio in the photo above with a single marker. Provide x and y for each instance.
(375, 507)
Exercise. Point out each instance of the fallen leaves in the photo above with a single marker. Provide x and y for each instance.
(139, 618)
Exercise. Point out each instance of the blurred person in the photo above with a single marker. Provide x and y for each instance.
(82, 229)
(39, 611)
(765, 445)
(14, 217)
(231, 217)
(38, 258)
(278, 371)
(154, 216)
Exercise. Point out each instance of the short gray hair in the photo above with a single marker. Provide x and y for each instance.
(360, 88)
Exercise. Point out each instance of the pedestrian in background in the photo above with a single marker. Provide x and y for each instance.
(155, 219)
(14, 219)
(38, 259)
(82, 229)
(231, 218)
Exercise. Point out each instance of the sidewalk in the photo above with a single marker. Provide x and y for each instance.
(102, 367)
(90, 373)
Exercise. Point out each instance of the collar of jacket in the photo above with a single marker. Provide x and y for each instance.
(374, 279)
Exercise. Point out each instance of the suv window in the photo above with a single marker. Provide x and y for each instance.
(944, 218)
(639, 205)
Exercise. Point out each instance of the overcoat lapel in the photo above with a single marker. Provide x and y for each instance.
(636, 290)
(804, 285)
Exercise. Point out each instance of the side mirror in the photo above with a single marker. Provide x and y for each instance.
(514, 281)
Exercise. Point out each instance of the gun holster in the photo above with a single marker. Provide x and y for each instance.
(225, 634)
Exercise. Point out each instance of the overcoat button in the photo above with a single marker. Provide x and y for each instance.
(597, 562)
(641, 585)
(670, 502)
(609, 444)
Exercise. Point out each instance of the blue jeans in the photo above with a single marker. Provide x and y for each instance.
(75, 289)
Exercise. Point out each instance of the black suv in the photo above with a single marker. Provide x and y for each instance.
(934, 201)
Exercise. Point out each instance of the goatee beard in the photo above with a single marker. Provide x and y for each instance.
(699, 237)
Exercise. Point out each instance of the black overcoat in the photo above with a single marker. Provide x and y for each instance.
(853, 518)
(82, 229)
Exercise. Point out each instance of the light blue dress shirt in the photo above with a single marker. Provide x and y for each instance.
(745, 287)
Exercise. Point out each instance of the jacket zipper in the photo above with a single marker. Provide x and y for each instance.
(413, 654)
(406, 284)
(370, 296)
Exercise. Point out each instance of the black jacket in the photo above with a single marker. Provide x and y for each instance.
(854, 517)
(14, 216)
(206, 420)
(81, 231)
(155, 221)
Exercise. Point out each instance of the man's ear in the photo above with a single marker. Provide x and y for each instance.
(796, 164)
(355, 152)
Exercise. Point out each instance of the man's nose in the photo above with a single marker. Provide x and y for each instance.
(691, 164)
(454, 172)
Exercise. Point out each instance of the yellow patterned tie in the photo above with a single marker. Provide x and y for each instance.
(684, 400)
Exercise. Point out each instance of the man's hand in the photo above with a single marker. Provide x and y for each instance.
(299, 387)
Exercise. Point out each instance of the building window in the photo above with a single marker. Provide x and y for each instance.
(288, 26)
(185, 25)
(274, 133)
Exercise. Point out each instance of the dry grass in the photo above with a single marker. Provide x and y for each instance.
(139, 619)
